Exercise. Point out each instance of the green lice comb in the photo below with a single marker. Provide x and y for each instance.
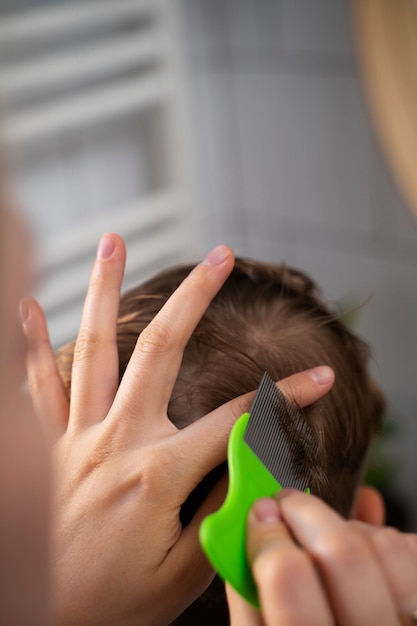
(268, 449)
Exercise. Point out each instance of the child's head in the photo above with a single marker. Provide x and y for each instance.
(266, 318)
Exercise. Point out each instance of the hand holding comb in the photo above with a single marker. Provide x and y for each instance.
(268, 448)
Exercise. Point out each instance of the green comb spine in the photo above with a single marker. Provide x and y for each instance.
(223, 533)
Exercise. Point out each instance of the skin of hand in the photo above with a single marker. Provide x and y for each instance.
(121, 469)
(23, 459)
(313, 568)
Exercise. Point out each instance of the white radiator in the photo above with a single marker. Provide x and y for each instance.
(93, 95)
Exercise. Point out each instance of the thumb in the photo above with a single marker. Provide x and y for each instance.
(267, 533)
(283, 572)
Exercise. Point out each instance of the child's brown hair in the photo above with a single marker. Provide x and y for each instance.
(265, 318)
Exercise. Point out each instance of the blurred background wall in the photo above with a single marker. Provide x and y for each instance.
(186, 123)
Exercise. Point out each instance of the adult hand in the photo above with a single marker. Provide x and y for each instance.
(121, 469)
(313, 568)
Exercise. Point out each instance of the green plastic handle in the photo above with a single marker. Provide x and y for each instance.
(223, 533)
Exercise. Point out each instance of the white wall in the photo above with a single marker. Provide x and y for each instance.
(91, 96)
(288, 170)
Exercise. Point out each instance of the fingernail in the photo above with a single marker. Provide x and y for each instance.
(217, 256)
(24, 311)
(106, 246)
(266, 511)
(321, 375)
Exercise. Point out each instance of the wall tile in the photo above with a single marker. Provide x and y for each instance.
(343, 276)
(407, 223)
(304, 145)
(243, 20)
(385, 199)
(391, 323)
(289, 170)
(269, 23)
(318, 25)
(401, 448)
(222, 142)
(271, 238)
(191, 21)
(202, 161)
(216, 22)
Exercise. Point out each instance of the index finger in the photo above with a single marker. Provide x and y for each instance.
(153, 368)
(344, 558)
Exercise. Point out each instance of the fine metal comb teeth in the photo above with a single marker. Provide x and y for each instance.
(279, 435)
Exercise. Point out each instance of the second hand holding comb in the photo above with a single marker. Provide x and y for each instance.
(267, 451)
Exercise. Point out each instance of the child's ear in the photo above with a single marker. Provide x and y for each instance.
(369, 506)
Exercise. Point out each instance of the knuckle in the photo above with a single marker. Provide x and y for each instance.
(154, 460)
(38, 381)
(389, 540)
(279, 569)
(411, 541)
(97, 457)
(240, 407)
(345, 547)
(86, 345)
(289, 390)
(242, 404)
(156, 464)
(155, 339)
(38, 343)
